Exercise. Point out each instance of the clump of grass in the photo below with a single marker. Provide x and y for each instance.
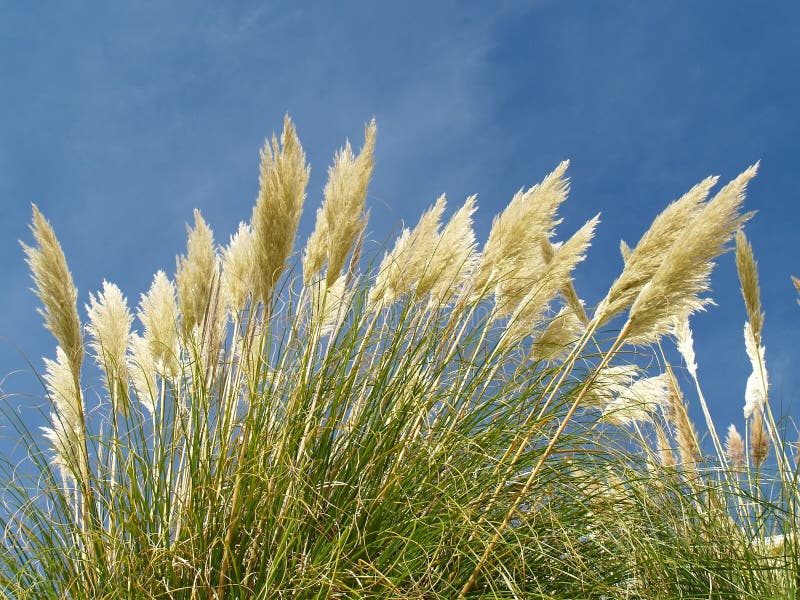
(445, 422)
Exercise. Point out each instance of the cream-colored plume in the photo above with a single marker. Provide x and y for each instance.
(158, 312)
(66, 427)
(748, 277)
(408, 261)
(61, 387)
(209, 334)
(625, 251)
(142, 369)
(734, 447)
(562, 332)
(342, 215)
(55, 289)
(282, 191)
(238, 260)
(684, 273)
(195, 273)
(642, 262)
(453, 259)
(64, 448)
(109, 331)
(685, 343)
(610, 381)
(757, 390)
(554, 276)
(511, 259)
(637, 402)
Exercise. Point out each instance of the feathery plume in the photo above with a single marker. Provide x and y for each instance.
(453, 258)
(158, 312)
(66, 426)
(625, 251)
(55, 289)
(637, 402)
(571, 298)
(685, 343)
(686, 267)
(142, 368)
(282, 191)
(109, 331)
(796, 283)
(685, 432)
(345, 194)
(610, 381)
(758, 382)
(390, 282)
(60, 383)
(643, 261)
(408, 261)
(554, 343)
(554, 277)
(759, 438)
(237, 269)
(195, 273)
(511, 258)
(210, 331)
(734, 447)
(748, 277)
(63, 444)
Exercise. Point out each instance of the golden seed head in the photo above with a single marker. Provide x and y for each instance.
(562, 332)
(345, 195)
(511, 257)
(158, 312)
(734, 447)
(142, 368)
(403, 267)
(109, 331)
(685, 343)
(642, 262)
(748, 277)
(453, 260)
(638, 401)
(282, 191)
(554, 277)
(195, 273)
(238, 261)
(55, 289)
(672, 293)
(756, 392)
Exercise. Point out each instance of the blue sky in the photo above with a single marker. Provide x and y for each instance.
(118, 118)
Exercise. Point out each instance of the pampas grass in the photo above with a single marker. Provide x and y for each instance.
(440, 423)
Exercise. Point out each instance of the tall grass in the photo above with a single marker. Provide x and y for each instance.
(444, 422)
